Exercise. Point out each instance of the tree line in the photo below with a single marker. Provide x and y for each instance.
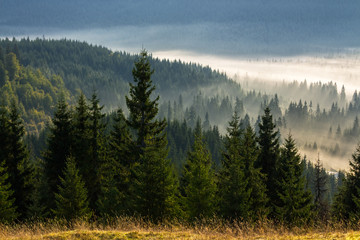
(88, 171)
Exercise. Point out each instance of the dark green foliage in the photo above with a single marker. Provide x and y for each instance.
(268, 159)
(58, 150)
(18, 165)
(293, 205)
(155, 186)
(12, 66)
(142, 109)
(235, 195)
(71, 199)
(256, 185)
(93, 134)
(2, 74)
(38, 208)
(2, 55)
(180, 137)
(198, 183)
(82, 135)
(320, 184)
(4, 134)
(347, 202)
(8, 211)
(14, 153)
(116, 171)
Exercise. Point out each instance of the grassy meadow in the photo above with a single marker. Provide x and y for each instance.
(129, 228)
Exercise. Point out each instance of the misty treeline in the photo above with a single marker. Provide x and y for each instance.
(338, 123)
(89, 169)
(37, 70)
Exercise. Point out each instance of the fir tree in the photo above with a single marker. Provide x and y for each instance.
(142, 109)
(116, 170)
(2, 55)
(269, 155)
(199, 186)
(14, 153)
(12, 66)
(294, 204)
(234, 192)
(58, 149)
(256, 180)
(320, 182)
(3, 74)
(71, 199)
(347, 201)
(4, 134)
(82, 135)
(155, 186)
(7, 209)
(18, 165)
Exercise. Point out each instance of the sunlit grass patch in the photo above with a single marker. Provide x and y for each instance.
(136, 228)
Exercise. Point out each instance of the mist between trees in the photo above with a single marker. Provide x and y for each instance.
(95, 165)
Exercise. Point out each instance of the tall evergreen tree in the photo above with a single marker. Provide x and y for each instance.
(19, 167)
(58, 149)
(12, 66)
(4, 134)
(294, 204)
(155, 184)
(2, 55)
(320, 183)
(71, 199)
(3, 74)
(199, 186)
(7, 209)
(235, 195)
(142, 109)
(347, 202)
(269, 155)
(82, 135)
(97, 127)
(116, 170)
(256, 185)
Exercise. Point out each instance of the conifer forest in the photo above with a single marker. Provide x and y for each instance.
(167, 119)
(64, 156)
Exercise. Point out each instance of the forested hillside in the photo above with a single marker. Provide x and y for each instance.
(188, 91)
(97, 166)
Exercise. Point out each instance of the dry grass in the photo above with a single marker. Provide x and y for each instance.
(131, 228)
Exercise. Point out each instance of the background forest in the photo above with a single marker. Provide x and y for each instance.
(76, 140)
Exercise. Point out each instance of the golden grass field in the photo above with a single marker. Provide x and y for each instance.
(126, 228)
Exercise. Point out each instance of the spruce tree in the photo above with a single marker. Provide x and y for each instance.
(116, 171)
(346, 206)
(58, 149)
(2, 55)
(320, 183)
(258, 199)
(142, 109)
(82, 135)
(18, 165)
(71, 199)
(294, 204)
(235, 195)
(199, 188)
(3, 74)
(4, 134)
(7, 209)
(155, 181)
(12, 66)
(269, 155)
(156, 185)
